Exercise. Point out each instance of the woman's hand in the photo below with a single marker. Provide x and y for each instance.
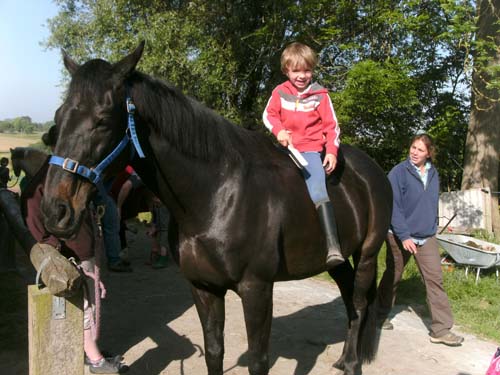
(410, 246)
(284, 137)
(329, 163)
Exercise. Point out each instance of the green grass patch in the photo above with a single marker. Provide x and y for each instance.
(476, 308)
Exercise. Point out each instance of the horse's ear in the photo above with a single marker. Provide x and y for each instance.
(126, 65)
(69, 63)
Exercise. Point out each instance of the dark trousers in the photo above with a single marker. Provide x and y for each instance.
(429, 265)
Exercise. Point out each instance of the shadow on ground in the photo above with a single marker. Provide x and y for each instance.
(139, 308)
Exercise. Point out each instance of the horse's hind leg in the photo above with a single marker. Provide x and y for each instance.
(257, 299)
(344, 277)
(361, 340)
(211, 310)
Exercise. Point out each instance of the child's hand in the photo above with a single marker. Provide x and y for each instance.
(284, 137)
(329, 163)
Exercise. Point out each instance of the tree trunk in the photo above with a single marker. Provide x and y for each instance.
(482, 148)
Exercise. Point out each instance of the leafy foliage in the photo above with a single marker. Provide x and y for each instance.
(24, 125)
(393, 67)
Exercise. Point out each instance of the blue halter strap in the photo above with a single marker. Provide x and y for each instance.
(94, 175)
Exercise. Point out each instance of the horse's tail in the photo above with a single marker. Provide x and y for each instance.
(369, 334)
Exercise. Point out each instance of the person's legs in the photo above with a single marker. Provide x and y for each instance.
(316, 185)
(94, 357)
(111, 233)
(395, 262)
(89, 344)
(162, 219)
(315, 177)
(429, 264)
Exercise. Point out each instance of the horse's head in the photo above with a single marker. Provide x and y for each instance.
(16, 158)
(90, 124)
(27, 159)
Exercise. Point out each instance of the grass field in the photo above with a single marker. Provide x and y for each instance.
(8, 141)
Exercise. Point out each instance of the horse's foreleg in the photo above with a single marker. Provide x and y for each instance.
(257, 299)
(211, 310)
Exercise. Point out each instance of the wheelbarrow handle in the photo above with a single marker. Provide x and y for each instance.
(448, 223)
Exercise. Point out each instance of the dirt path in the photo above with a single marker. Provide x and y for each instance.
(149, 316)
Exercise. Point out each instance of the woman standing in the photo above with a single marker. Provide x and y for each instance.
(415, 186)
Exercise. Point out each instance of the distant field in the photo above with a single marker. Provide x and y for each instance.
(8, 141)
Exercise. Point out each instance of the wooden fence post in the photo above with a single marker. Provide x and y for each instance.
(55, 327)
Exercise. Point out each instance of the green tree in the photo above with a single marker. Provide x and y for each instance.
(393, 67)
(23, 125)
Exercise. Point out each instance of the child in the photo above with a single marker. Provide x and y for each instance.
(4, 172)
(300, 114)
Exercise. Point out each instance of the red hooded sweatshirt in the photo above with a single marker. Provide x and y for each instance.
(309, 116)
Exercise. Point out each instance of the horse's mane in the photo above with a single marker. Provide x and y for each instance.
(189, 126)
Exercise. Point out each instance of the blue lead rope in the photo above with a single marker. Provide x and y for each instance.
(94, 174)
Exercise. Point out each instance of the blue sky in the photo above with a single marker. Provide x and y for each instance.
(29, 75)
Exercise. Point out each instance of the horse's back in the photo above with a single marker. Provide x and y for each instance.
(362, 199)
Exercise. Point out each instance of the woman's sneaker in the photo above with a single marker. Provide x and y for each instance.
(449, 339)
(108, 366)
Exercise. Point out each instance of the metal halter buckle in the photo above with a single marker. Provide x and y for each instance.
(130, 106)
(65, 165)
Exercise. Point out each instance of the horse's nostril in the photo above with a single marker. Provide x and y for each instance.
(62, 212)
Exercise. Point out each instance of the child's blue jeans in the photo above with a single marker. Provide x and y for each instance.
(314, 174)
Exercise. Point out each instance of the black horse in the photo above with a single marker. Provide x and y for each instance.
(242, 214)
(27, 159)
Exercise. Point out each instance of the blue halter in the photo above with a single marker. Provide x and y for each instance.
(94, 174)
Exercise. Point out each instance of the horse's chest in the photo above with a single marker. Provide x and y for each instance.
(206, 261)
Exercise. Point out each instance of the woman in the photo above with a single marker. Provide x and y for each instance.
(415, 185)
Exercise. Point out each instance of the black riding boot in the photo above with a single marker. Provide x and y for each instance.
(327, 220)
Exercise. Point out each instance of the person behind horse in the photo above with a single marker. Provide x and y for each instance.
(300, 114)
(160, 218)
(415, 185)
(111, 230)
(127, 184)
(81, 247)
(4, 172)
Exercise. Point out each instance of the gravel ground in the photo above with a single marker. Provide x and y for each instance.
(150, 318)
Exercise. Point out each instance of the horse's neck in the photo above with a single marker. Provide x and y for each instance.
(32, 162)
(185, 185)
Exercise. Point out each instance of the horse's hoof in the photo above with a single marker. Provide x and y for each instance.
(339, 365)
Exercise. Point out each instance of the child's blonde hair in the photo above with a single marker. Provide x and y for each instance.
(298, 55)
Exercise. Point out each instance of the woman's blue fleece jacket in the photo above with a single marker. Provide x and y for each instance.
(415, 208)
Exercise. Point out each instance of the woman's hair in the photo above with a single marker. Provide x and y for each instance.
(4, 161)
(428, 142)
(298, 55)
